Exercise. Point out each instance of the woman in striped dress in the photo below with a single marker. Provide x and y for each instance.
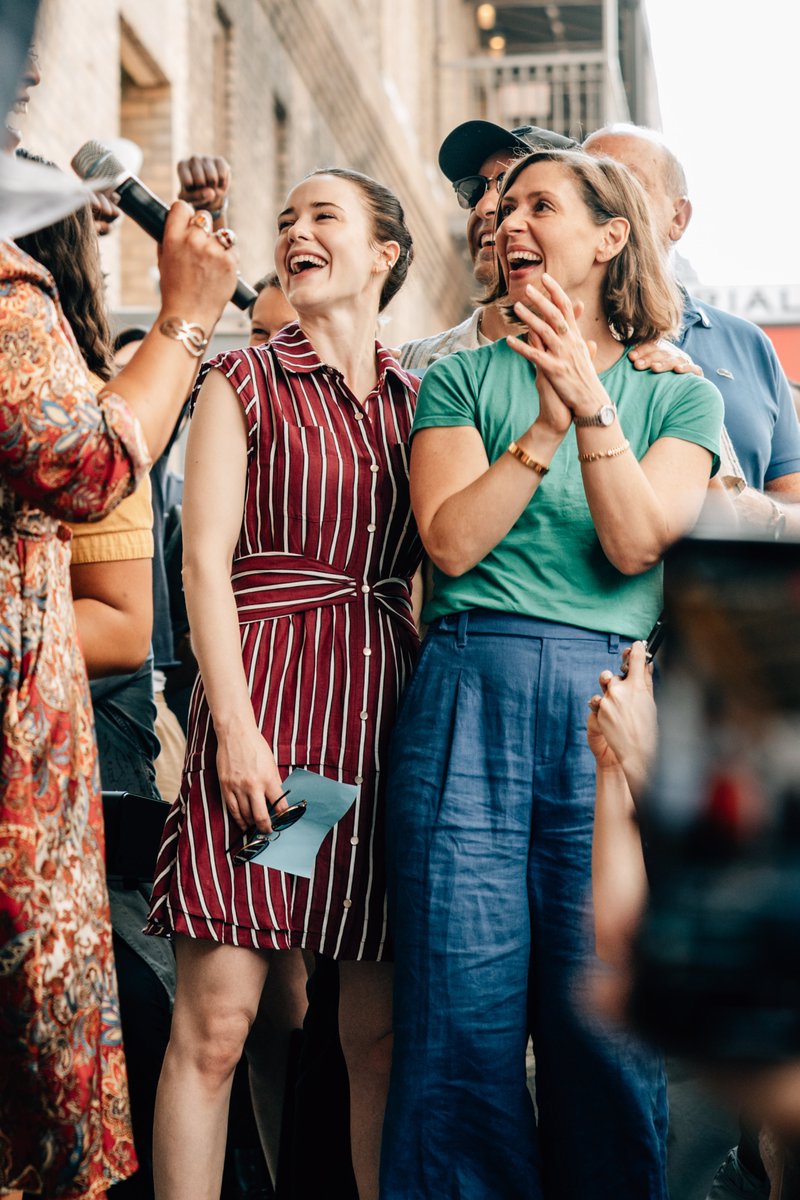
(297, 475)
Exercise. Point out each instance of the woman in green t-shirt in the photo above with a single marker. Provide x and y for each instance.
(548, 479)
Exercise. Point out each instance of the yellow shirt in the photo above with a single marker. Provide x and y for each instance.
(127, 531)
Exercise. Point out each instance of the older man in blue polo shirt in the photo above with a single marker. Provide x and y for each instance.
(734, 353)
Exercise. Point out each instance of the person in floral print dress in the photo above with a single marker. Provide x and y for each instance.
(67, 454)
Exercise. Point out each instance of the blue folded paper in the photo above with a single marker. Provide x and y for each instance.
(295, 849)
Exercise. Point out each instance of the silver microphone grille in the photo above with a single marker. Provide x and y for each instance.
(96, 161)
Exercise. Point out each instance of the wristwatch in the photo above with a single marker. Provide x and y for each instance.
(605, 415)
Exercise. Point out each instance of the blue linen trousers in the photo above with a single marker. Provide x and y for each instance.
(490, 810)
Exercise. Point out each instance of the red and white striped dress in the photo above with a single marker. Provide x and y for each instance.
(322, 579)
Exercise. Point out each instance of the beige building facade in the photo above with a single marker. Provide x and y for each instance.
(280, 87)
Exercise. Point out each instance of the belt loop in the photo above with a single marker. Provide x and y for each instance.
(613, 643)
(461, 630)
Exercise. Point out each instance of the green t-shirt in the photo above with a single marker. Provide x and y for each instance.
(551, 564)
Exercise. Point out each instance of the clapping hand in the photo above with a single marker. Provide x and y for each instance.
(566, 379)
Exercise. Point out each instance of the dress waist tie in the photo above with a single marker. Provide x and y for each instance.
(275, 584)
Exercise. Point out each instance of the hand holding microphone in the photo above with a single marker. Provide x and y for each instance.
(198, 270)
(198, 277)
(95, 161)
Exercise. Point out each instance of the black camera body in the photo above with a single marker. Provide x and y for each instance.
(717, 958)
(133, 828)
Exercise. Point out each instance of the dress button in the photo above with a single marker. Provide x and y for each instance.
(358, 779)
(371, 528)
(347, 903)
(374, 468)
(366, 652)
(353, 841)
(359, 416)
(364, 715)
(365, 588)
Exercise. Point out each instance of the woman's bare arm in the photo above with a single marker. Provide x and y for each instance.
(638, 508)
(619, 881)
(114, 611)
(622, 732)
(213, 503)
(197, 277)
(463, 506)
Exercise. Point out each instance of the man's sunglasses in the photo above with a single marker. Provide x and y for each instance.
(471, 188)
(255, 840)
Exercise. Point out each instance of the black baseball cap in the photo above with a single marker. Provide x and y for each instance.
(464, 150)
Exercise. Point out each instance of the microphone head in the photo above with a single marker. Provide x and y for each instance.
(96, 161)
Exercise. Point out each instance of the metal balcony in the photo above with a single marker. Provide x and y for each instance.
(571, 92)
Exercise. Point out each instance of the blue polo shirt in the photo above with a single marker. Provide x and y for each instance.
(759, 413)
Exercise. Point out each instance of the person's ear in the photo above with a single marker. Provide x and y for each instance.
(681, 217)
(615, 236)
(388, 254)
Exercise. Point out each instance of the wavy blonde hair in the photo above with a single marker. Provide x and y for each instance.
(641, 301)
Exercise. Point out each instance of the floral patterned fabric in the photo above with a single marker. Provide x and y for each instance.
(64, 1120)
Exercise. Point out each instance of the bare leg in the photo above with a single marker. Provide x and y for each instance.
(217, 997)
(365, 1026)
(282, 1009)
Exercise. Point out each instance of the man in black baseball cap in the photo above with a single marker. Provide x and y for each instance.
(464, 149)
(475, 157)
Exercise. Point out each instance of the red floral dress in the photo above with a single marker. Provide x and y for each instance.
(64, 1120)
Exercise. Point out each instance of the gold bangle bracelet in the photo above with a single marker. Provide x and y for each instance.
(192, 337)
(526, 459)
(612, 453)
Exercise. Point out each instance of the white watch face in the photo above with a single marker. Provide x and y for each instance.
(606, 415)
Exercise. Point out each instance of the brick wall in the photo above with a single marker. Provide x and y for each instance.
(358, 82)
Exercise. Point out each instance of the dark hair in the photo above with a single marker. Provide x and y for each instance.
(133, 333)
(389, 224)
(69, 250)
(270, 280)
(641, 301)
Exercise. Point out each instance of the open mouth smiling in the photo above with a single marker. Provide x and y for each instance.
(305, 262)
(483, 245)
(522, 260)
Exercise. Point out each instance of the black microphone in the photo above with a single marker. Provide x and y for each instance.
(94, 161)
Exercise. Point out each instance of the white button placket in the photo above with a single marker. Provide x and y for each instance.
(365, 716)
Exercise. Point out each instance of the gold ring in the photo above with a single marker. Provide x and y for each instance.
(226, 238)
(202, 220)
(563, 328)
